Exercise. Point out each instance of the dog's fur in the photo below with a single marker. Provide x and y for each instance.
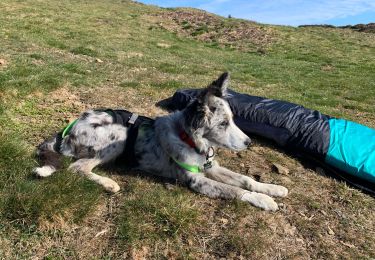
(95, 140)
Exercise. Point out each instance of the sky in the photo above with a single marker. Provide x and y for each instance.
(285, 12)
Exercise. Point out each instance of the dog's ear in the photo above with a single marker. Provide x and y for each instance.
(219, 87)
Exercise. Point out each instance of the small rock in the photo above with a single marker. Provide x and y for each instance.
(224, 221)
(330, 231)
(280, 169)
(99, 60)
(3, 62)
(163, 45)
(242, 165)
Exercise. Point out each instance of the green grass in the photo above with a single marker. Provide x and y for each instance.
(53, 73)
(156, 214)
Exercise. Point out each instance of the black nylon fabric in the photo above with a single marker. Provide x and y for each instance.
(289, 125)
(122, 117)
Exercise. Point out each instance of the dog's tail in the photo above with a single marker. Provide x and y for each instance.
(49, 156)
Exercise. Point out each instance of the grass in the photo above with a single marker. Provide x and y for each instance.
(52, 73)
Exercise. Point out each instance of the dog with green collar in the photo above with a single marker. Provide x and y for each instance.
(179, 146)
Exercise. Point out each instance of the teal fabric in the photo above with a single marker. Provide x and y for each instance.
(352, 148)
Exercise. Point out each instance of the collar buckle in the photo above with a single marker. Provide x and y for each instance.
(209, 157)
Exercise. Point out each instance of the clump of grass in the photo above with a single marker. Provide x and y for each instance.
(156, 214)
(186, 25)
(200, 30)
(170, 68)
(84, 51)
(56, 43)
(129, 84)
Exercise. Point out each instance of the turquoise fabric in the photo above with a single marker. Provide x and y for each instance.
(352, 148)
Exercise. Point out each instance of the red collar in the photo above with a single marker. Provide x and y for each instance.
(210, 153)
(186, 138)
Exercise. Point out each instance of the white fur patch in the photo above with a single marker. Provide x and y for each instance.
(109, 185)
(270, 189)
(44, 171)
(260, 200)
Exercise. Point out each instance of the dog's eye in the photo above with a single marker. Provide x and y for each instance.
(224, 124)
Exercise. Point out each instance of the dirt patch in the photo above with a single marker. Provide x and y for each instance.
(137, 101)
(3, 63)
(206, 27)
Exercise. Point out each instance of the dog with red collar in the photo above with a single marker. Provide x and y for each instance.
(179, 146)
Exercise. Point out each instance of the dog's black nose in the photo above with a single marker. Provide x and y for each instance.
(247, 142)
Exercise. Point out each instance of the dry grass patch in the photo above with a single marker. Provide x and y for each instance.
(210, 28)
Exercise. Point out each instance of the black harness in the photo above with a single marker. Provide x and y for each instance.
(132, 121)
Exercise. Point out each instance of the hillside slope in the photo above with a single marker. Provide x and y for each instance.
(58, 58)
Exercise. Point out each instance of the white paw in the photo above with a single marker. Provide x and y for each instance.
(44, 171)
(260, 200)
(277, 191)
(110, 185)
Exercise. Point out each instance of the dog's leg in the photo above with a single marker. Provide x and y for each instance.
(85, 166)
(224, 175)
(214, 189)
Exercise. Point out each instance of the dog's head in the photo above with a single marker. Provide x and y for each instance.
(209, 119)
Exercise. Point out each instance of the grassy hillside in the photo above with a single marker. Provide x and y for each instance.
(58, 58)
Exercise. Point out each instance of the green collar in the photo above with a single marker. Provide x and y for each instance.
(69, 127)
(195, 168)
(188, 167)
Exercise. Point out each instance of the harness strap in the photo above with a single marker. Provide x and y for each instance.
(132, 121)
(128, 154)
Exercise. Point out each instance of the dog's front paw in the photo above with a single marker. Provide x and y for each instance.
(260, 200)
(110, 185)
(44, 171)
(277, 191)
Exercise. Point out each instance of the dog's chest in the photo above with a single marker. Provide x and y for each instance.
(148, 152)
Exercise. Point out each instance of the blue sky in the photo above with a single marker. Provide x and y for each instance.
(285, 12)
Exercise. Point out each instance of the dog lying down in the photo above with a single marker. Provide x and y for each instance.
(179, 146)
